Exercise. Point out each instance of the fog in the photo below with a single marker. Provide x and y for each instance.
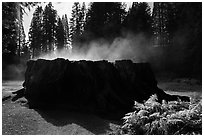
(134, 47)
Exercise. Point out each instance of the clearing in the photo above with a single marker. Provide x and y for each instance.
(17, 119)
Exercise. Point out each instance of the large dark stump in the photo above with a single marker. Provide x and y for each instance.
(96, 86)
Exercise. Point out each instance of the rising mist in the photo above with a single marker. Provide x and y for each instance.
(133, 47)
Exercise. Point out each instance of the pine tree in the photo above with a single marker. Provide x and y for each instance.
(187, 39)
(25, 51)
(60, 35)
(66, 30)
(35, 32)
(115, 12)
(13, 37)
(49, 28)
(82, 17)
(95, 20)
(174, 24)
(75, 24)
(160, 20)
(9, 28)
(138, 19)
(21, 39)
(104, 20)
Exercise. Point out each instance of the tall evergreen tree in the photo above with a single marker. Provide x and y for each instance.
(66, 30)
(35, 32)
(174, 24)
(104, 20)
(75, 24)
(160, 21)
(21, 39)
(188, 37)
(12, 27)
(9, 28)
(25, 51)
(82, 17)
(49, 27)
(60, 35)
(138, 19)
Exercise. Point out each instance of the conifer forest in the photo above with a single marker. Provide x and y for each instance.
(113, 68)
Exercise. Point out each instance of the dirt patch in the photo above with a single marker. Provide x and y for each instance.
(180, 85)
(17, 119)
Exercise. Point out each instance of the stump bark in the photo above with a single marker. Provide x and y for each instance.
(96, 86)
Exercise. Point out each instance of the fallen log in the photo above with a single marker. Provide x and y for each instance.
(96, 86)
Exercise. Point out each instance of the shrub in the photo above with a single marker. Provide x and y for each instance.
(174, 117)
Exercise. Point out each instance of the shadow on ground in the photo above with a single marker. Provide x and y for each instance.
(90, 122)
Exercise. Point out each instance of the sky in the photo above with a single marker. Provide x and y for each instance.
(61, 7)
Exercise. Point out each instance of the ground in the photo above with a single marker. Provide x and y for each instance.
(17, 119)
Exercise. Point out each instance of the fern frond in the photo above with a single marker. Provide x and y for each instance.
(174, 117)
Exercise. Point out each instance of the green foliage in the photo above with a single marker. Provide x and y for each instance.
(174, 117)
